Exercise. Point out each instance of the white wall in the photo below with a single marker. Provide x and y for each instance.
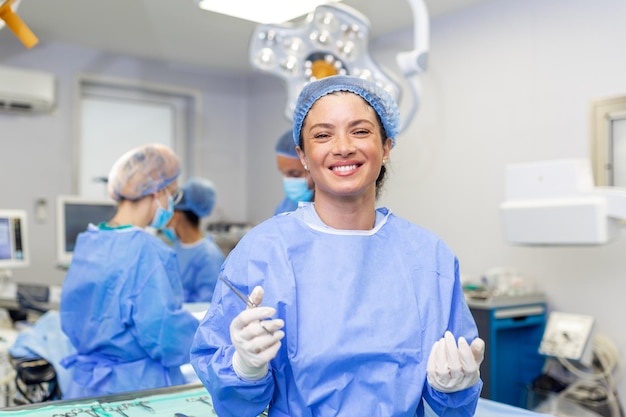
(266, 123)
(511, 81)
(37, 149)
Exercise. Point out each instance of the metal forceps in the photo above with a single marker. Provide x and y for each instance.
(145, 405)
(244, 298)
(87, 410)
(91, 411)
(120, 409)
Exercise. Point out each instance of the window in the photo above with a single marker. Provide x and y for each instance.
(115, 116)
(608, 141)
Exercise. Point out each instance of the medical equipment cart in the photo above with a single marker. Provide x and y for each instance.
(512, 328)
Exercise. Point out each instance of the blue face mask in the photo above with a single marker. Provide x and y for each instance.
(170, 234)
(297, 189)
(163, 216)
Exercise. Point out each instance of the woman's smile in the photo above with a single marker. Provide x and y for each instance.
(344, 169)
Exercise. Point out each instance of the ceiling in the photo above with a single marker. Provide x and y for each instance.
(178, 31)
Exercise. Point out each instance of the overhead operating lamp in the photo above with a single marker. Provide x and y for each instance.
(333, 39)
(413, 63)
(13, 21)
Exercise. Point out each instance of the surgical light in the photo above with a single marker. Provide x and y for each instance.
(333, 39)
(266, 11)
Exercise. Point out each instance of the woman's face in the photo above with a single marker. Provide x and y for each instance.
(343, 147)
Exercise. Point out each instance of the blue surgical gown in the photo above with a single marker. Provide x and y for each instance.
(199, 264)
(285, 206)
(121, 307)
(362, 310)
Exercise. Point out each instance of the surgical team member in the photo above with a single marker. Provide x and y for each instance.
(121, 301)
(363, 312)
(199, 257)
(297, 183)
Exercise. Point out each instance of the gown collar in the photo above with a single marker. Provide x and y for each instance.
(306, 213)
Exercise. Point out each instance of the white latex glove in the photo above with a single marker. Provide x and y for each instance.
(256, 342)
(451, 368)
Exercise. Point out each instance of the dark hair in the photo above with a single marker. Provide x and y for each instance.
(383, 134)
(191, 217)
(383, 170)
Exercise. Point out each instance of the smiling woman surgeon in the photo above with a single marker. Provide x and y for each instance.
(368, 307)
(121, 302)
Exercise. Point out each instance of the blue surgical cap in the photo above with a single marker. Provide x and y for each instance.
(143, 171)
(285, 146)
(198, 197)
(377, 97)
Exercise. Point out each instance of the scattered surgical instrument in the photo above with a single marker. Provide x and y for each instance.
(145, 405)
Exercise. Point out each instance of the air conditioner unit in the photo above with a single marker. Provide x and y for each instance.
(26, 90)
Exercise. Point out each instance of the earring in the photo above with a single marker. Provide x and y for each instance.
(306, 167)
(384, 161)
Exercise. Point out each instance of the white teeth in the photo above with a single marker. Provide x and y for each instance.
(344, 168)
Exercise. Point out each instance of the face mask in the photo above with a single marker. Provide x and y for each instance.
(163, 216)
(170, 234)
(297, 189)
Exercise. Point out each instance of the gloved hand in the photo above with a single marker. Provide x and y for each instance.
(451, 368)
(256, 342)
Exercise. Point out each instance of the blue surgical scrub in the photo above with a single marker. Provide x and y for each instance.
(121, 307)
(285, 206)
(199, 264)
(362, 310)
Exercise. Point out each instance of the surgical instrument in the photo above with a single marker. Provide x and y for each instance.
(245, 299)
(145, 405)
(239, 294)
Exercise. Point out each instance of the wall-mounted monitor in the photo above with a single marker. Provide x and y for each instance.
(74, 214)
(13, 240)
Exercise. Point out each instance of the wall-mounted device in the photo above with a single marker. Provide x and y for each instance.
(13, 248)
(26, 90)
(555, 203)
(13, 240)
(568, 336)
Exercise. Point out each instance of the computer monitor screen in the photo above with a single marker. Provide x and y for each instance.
(13, 244)
(73, 216)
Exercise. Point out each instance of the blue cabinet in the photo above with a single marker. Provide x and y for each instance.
(512, 328)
